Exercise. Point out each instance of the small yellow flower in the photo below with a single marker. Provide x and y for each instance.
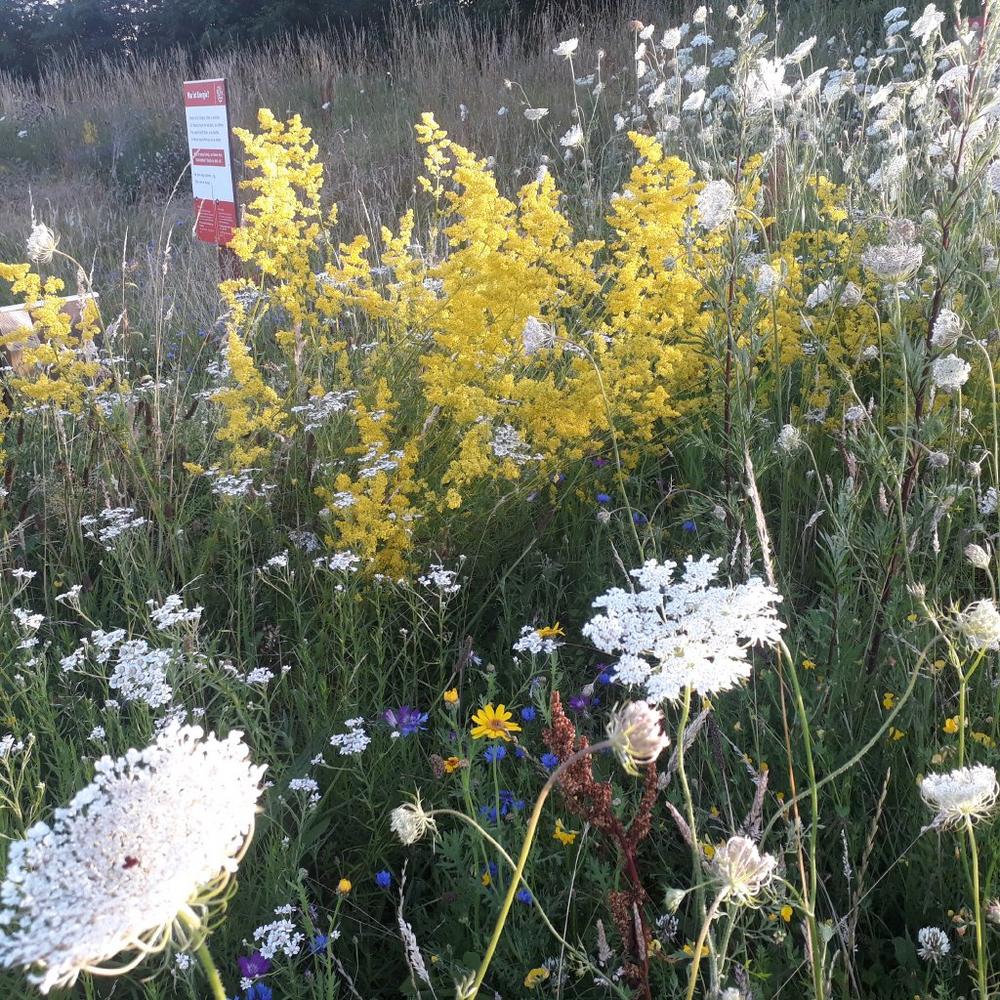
(194, 468)
(451, 696)
(713, 811)
(486, 878)
(808, 665)
(896, 734)
(780, 796)
(888, 701)
(985, 740)
(938, 665)
(452, 764)
(344, 886)
(951, 725)
(554, 631)
(563, 835)
(708, 850)
(688, 949)
(494, 724)
(911, 618)
(535, 977)
(786, 913)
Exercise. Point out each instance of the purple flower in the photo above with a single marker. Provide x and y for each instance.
(549, 761)
(259, 991)
(599, 463)
(689, 525)
(528, 714)
(253, 966)
(603, 498)
(523, 896)
(405, 720)
(579, 703)
(639, 518)
(492, 754)
(383, 879)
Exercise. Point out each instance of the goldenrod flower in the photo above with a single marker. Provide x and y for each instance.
(494, 724)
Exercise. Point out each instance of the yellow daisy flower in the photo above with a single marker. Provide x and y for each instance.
(494, 724)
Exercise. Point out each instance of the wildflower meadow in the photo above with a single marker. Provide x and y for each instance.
(551, 552)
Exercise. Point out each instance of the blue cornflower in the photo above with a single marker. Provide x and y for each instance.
(689, 525)
(383, 879)
(549, 761)
(639, 518)
(520, 753)
(523, 896)
(488, 813)
(603, 498)
(259, 991)
(605, 677)
(494, 753)
(319, 943)
(405, 720)
(528, 714)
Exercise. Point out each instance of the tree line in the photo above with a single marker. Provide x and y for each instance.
(33, 31)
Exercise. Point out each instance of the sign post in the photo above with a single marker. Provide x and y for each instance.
(206, 110)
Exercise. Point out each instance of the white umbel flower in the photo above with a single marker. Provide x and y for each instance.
(716, 204)
(566, 48)
(572, 138)
(977, 556)
(742, 872)
(410, 823)
(537, 336)
(967, 794)
(947, 329)
(136, 861)
(928, 22)
(950, 373)
(893, 263)
(41, 244)
(636, 735)
(672, 634)
(789, 439)
(934, 944)
(979, 624)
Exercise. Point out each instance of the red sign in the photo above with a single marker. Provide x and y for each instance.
(207, 113)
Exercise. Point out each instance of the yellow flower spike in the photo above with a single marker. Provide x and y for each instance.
(564, 836)
(494, 724)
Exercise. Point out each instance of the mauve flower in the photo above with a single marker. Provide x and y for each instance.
(405, 720)
(253, 966)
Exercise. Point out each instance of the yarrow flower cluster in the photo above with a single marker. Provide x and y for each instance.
(354, 741)
(538, 641)
(673, 634)
(110, 524)
(279, 936)
(157, 834)
(172, 612)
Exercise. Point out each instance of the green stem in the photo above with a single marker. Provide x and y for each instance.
(977, 907)
(700, 943)
(211, 972)
(814, 938)
(522, 861)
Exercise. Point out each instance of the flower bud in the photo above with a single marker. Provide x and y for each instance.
(636, 733)
(977, 555)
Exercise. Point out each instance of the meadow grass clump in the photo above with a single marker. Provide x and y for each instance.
(582, 497)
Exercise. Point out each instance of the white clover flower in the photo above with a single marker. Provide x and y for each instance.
(153, 839)
(410, 823)
(566, 48)
(671, 634)
(928, 23)
(892, 263)
(947, 329)
(934, 944)
(636, 734)
(789, 439)
(572, 138)
(965, 795)
(41, 244)
(950, 373)
(716, 204)
(742, 872)
(979, 624)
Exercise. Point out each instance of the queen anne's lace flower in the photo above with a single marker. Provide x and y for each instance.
(950, 373)
(671, 634)
(134, 862)
(41, 244)
(979, 624)
(410, 823)
(969, 793)
(716, 204)
(893, 263)
(636, 735)
(742, 872)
